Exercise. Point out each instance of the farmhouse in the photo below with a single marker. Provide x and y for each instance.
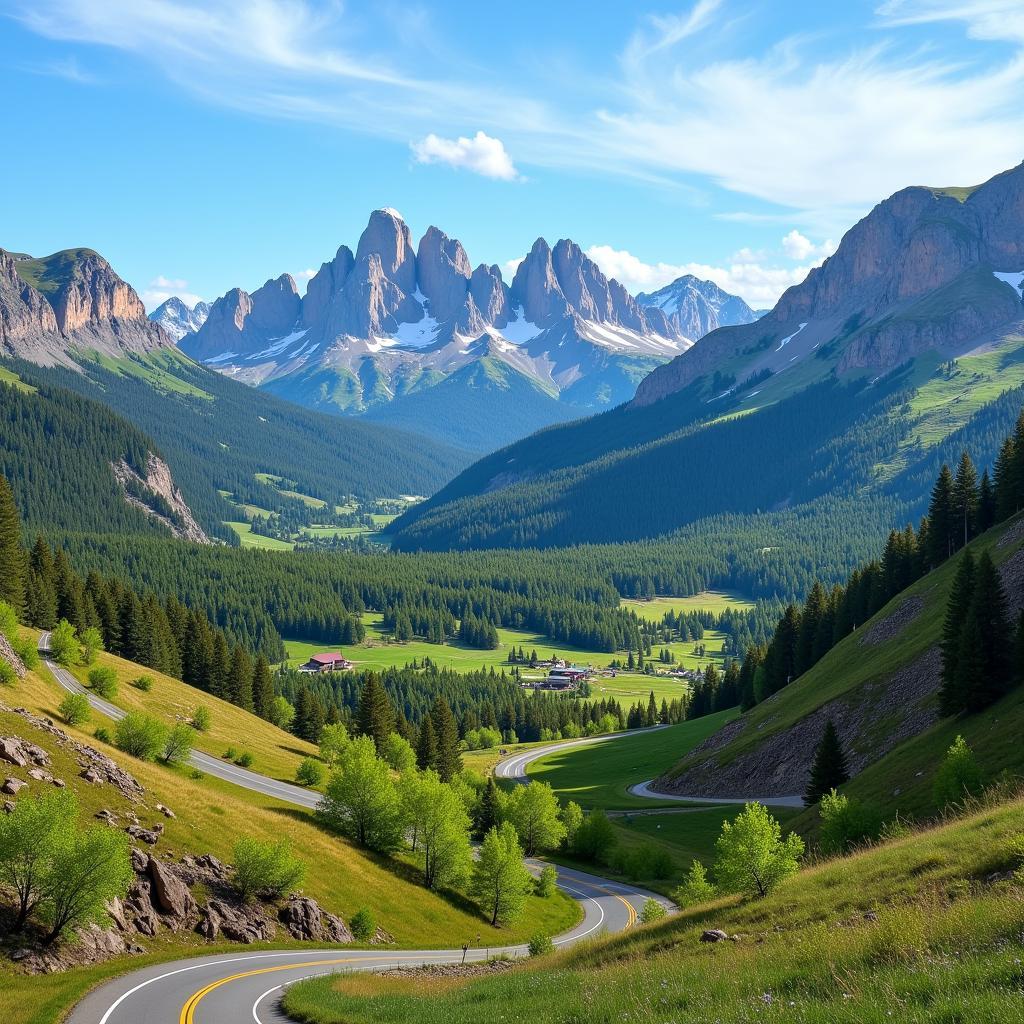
(327, 663)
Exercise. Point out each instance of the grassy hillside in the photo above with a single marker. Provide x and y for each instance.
(939, 943)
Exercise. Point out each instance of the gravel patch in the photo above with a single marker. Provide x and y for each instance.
(892, 625)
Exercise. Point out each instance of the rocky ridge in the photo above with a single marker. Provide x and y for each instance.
(157, 495)
(927, 269)
(179, 319)
(70, 300)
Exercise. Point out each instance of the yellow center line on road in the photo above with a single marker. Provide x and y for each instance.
(189, 1009)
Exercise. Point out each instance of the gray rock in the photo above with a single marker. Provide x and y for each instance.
(714, 935)
(246, 923)
(13, 786)
(170, 894)
(306, 920)
(12, 750)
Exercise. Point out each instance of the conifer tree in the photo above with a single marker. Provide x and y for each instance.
(448, 762)
(986, 504)
(951, 699)
(262, 687)
(375, 716)
(942, 522)
(426, 745)
(813, 612)
(487, 809)
(12, 558)
(965, 501)
(829, 770)
(984, 665)
(1006, 481)
(240, 679)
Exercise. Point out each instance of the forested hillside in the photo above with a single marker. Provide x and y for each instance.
(217, 435)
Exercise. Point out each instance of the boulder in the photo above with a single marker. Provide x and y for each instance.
(714, 935)
(306, 920)
(9, 806)
(140, 861)
(165, 811)
(171, 896)
(144, 835)
(13, 786)
(246, 923)
(12, 750)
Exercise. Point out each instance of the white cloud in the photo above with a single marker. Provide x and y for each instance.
(747, 274)
(799, 247)
(985, 19)
(303, 277)
(509, 267)
(481, 154)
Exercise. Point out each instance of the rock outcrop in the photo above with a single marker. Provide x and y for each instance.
(157, 495)
(71, 300)
(918, 273)
(10, 655)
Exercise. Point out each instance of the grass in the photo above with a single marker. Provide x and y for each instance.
(211, 815)
(715, 601)
(255, 540)
(939, 945)
(380, 651)
(275, 752)
(10, 377)
(598, 775)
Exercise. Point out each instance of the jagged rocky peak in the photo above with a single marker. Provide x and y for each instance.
(276, 306)
(443, 272)
(326, 285)
(535, 287)
(177, 318)
(697, 307)
(388, 237)
(490, 295)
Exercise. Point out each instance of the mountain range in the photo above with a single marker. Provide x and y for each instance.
(415, 336)
(904, 346)
(179, 319)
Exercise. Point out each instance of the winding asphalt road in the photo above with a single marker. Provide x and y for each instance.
(246, 987)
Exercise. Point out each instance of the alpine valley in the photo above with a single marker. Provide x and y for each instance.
(416, 337)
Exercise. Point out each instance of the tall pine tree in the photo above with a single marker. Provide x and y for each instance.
(951, 700)
(12, 557)
(985, 645)
(375, 716)
(829, 770)
(942, 523)
(449, 758)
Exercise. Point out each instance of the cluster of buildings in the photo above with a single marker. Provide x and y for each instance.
(328, 662)
(561, 678)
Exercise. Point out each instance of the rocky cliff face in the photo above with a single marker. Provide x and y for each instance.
(156, 494)
(72, 299)
(926, 269)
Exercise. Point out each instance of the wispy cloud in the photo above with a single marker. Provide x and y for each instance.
(481, 154)
(819, 131)
(161, 288)
(67, 68)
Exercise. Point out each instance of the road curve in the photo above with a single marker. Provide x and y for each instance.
(514, 768)
(246, 987)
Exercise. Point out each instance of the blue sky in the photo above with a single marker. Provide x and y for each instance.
(203, 144)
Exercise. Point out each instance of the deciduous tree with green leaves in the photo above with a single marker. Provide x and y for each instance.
(533, 810)
(752, 856)
(500, 882)
(265, 869)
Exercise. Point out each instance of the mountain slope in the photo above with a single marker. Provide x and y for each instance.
(918, 314)
(698, 307)
(393, 319)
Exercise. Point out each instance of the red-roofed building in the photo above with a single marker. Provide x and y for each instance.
(328, 662)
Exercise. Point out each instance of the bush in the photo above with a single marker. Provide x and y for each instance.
(26, 649)
(201, 719)
(74, 709)
(92, 642)
(541, 945)
(140, 735)
(695, 887)
(64, 643)
(230, 754)
(362, 925)
(103, 681)
(547, 883)
(652, 911)
(102, 733)
(595, 838)
(752, 856)
(244, 760)
(8, 621)
(143, 683)
(7, 674)
(958, 776)
(309, 772)
(177, 745)
(845, 822)
(265, 869)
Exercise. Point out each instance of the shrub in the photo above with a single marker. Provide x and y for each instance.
(230, 754)
(541, 945)
(74, 709)
(845, 822)
(177, 745)
(197, 775)
(64, 643)
(265, 869)
(26, 649)
(140, 735)
(201, 719)
(595, 838)
(958, 776)
(92, 642)
(8, 621)
(547, 883)
(695, 887)
(143, 683)
(752, 856)
(7, 674)
(309, 772)
(363, 926)
(244, 760)
(102, 733)
(652, 911)
(103, 681)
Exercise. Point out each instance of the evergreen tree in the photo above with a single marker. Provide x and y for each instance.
(426, 745)
(942, 520)
(965, 500)
(1006, 484)
(951, 698)
(487, 810)
(240, 679)
(262, 687)
(829, 770)
(986, 504)
(375, 716)
(12, 558)
(984, 665)
(448, 761)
